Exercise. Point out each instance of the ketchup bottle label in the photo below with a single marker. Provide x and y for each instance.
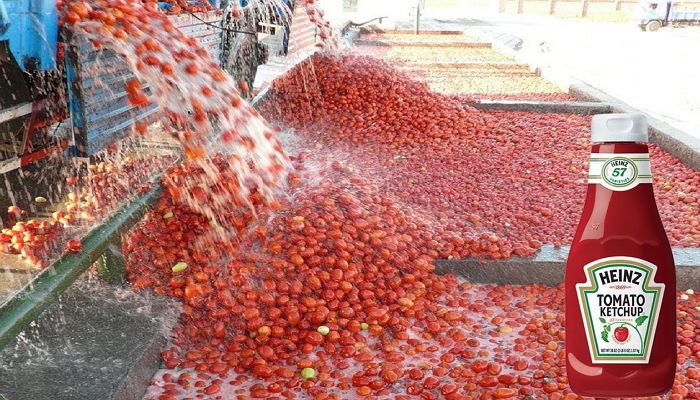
(620, 304)
(619, 172)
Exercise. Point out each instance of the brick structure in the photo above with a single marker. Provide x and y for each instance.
(302, 32)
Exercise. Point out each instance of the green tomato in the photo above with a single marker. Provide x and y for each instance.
(323, 330)
(168, 215)
(364, 326)
(179, 267)
(308, 373)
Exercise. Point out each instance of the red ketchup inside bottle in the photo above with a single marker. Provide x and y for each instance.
(620, 274)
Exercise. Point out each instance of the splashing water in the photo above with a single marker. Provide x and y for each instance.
(236, 159)
(199, 104)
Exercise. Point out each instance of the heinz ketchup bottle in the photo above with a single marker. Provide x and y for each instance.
(620, 275)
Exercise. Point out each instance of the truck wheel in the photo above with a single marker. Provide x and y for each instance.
(653, 26)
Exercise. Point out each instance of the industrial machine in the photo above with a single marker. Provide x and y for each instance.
(651, 15)
(49, 104)
(62, 105)
(32, 88)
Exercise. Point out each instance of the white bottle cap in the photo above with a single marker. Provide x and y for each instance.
(630, 127)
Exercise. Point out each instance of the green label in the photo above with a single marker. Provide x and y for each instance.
(620, 304)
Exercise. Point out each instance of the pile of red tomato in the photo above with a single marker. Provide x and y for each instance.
(331, 294)
(503, 182)
(32, 240)
(455, 81)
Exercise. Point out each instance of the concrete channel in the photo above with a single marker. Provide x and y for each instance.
(675, 141)
(545, 107)
(548, 266)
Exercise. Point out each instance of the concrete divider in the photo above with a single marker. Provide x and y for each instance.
(548, 268)
(675, 141)
(548, 107)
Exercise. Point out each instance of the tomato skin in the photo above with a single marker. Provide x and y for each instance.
(74, 246)
(212, 389)
(80, 8)
(71, 17)
(191, 69)
(243, 87)
(504, 393)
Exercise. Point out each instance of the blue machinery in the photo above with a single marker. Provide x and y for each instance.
(95, 100)
(99, 109)
(99, 118)
(32, 30)
(28, 36)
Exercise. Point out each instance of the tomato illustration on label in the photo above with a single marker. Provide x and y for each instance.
(621, 334)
